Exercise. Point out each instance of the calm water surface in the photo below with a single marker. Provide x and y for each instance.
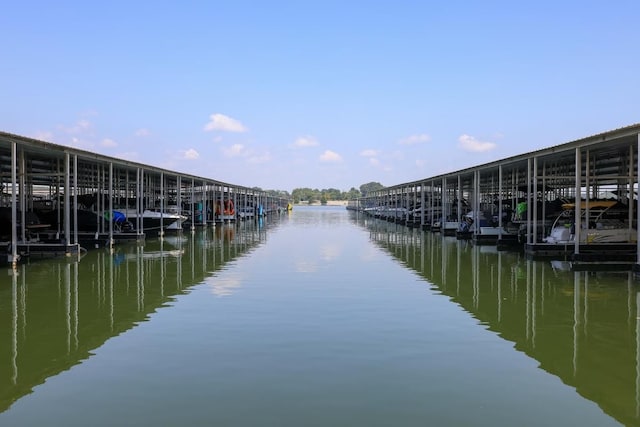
(319, 318)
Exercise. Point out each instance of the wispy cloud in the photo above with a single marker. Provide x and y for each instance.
(191, 154)
(235, 150)
(330, 157)
(81, 126)
(142, 132)
(470, 143)
(259, 158)
(415, 139)
(374, 161)
(109, 143)
(370, 153)
(305, 141)
(224, 123)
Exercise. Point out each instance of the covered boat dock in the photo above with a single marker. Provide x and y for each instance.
(514, 202)
(58, 200)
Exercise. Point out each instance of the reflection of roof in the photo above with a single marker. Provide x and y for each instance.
(592, 204)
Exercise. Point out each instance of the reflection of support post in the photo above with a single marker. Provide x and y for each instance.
(533, 303)
(67, 303)
(637, 354)
(140, 277)
(586, 304)
(111, 302)
(163, 268)
(458, 266)
(192, 248)
(499, 286)
(476, 276)
(14, 326)
(75, 306)
(576, 318)
(528, 302)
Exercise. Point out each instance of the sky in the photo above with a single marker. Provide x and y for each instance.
(321, 94)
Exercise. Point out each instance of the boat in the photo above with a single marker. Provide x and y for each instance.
(247, 212)
(607, 222)
(154, 220)
(479, 226)
(225, 211)
(32, 223)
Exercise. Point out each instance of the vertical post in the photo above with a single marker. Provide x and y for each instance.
(14, 207)
(500, 194)
(110, 192)
(193, 206)
(67, 207)
(75, 200)
(577, 212)
(139, 229)
(474, 204)
(586, 190)
(22, 194)
(459, 207)
(534, 212)
(529, 203)
(431, 205)
(631, 197)
(445, 202)
(161, 204)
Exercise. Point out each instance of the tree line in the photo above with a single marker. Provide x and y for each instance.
(313, 195)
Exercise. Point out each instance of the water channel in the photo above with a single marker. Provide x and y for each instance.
(317, 318)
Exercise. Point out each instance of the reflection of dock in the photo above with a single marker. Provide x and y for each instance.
(580, 326)
(588, 252)
(57, 311)
(39, 250)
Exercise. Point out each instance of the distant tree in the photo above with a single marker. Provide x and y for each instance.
(370, 187)
(352, 194)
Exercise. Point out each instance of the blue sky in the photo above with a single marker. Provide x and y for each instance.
(321, 94)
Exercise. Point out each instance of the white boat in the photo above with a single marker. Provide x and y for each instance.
(247, 212)
(154, 220)
(604, 224)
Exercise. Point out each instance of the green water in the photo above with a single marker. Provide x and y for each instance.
(318, 318)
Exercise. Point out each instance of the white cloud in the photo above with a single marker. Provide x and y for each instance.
(143, 132)
(235, 150)
(81, 126)
(305, 141)
(330, 156)
(109, 143)
(191, 154)
(370, 153)
(420, 163)
(415, 139)
(224, 123)
(470, 143)
(374, 162)
(259, 158)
